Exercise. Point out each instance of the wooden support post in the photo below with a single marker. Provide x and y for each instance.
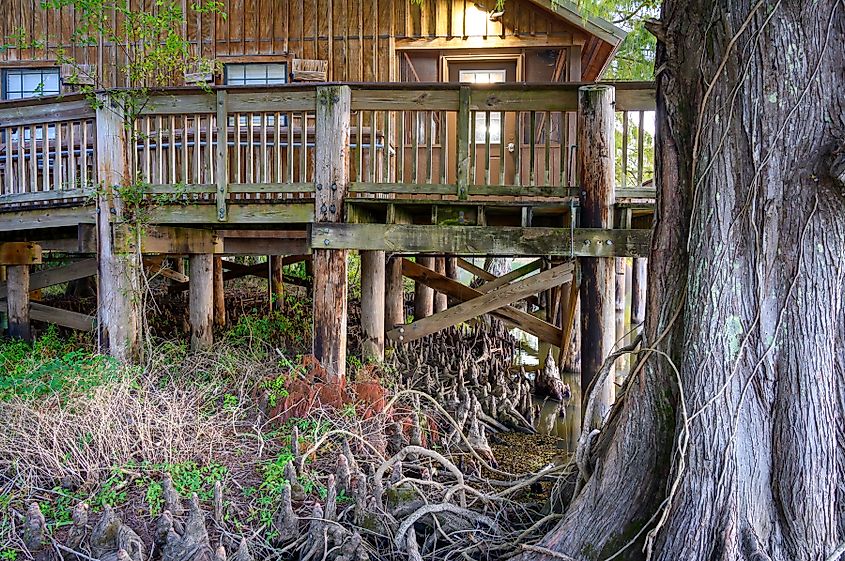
(331, 178)
(423, 295)
(638, 290)
(596, 139)
(277, 282)
(201, 300)
(219, 293)
(372, 304)
(179, 264)
(118, 288)
(18, 299)
(440, 300)
(394, 293)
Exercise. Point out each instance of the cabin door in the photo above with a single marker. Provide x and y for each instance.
(491, 163)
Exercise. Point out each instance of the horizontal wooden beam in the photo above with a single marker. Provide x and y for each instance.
(541, 329)
(166, 239)
(58, 275)
(64, 318)
(20, 253)
(483, 240)
(46, 218)
(259, 212)
(483, 304)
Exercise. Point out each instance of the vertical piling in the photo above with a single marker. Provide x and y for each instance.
(423, 295)
(596, 145)
(372, 304)
(17, 282)
(118, 282)
(331, 178)
(219, 293)
(201, 300)
(277, 282)
(394, 293)
(638, 290)
(440, 299)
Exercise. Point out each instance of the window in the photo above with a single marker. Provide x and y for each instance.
(256, 74)
(481, 118)
(19, 83)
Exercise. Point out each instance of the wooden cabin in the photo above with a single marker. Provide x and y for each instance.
(438, 131)
(358, 40)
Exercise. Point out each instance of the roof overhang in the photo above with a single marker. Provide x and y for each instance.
(595, 26)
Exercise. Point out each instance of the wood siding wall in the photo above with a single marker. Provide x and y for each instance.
(359, 38)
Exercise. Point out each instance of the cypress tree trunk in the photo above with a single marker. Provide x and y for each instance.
(736, 456)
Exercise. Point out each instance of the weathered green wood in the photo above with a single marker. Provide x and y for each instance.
(482, 240)
(463, 159)
(240, 213)
(222, 155)
(482, 304)
(58, 275)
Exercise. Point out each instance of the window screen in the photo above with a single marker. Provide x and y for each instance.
(256, 74)
(19, 83)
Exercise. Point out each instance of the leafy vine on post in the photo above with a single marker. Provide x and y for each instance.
(153, 51)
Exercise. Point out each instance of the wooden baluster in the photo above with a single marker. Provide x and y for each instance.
(33, 160)
(58, 160)
(21, 159)
(237, 178)
(303, 151)
(83, 156)
(473, 148)
(385, 149)
(185, 158)
(264, 161)
(160, 149)
(197, 153)
(250, 158)
(463, 146)
(209, 150)
(532, 149)
(45, 157)
(502, 142)
(71, 154)
(222, 158)
(277, 140)
(147, 163)
(562, 136)
(415, 146)
(624, 149)
(400, 148)
(429, 138)
(360, 146)
(547, 174)
(640, 152)
(487, 148)
(290, 148)
(373, 152)
(441, 174)
(171, 150)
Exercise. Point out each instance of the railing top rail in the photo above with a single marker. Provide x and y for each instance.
(513, 96)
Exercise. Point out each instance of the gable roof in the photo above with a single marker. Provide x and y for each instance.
(605, 37)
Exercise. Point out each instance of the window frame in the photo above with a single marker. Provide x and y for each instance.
(228, 66)
(24, 70)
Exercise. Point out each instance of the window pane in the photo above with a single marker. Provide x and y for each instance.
(256, 74)
(13, 82)
(51, 83)
(32, 82)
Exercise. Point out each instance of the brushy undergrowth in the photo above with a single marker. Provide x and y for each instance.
(80, 427)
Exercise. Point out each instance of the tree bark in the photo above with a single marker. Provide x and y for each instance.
(201, 300)
(745, 300)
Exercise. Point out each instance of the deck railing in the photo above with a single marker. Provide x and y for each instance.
(440, 140)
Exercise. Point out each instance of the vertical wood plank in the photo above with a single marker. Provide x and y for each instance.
(201, 300)
(462, 172)
(17, 282)
(222, 155)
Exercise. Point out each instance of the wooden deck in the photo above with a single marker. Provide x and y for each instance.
(435, 168)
